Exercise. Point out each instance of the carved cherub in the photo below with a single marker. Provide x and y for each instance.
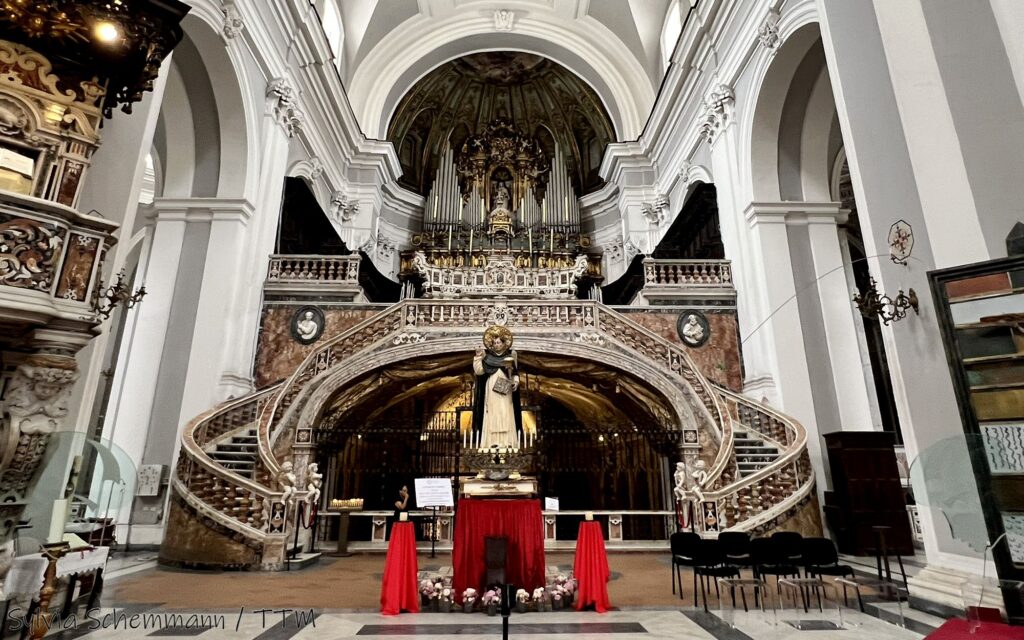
(286, 478)
(680, 482)
(314, 480)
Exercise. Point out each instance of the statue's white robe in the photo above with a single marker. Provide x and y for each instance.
(499, 423)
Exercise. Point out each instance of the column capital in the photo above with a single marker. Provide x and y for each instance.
(202, 209)
(795, 213)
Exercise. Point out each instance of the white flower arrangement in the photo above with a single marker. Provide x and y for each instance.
(522, 595)
(446, 595)
(538, 594)
(492, 597)
(469, 595)
(427, 587)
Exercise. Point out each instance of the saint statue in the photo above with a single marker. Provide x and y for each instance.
(496, 410)
(501, 198)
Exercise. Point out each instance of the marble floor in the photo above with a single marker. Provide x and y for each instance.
(138, 620)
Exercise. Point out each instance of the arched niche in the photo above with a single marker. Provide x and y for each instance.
(202, 137)
(793, 133)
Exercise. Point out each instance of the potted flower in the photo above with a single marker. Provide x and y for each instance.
(557, 595)
(491, 600)
(469, 597)
(426, 591)
(445, 601)
(538, 597)
(522, 600)
(570, 589)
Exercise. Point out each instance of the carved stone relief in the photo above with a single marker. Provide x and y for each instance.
(718, 111)
(284, 103)
(36, 405)
(29, 250)
(233, 23)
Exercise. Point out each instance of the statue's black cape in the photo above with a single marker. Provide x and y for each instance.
(492, 363)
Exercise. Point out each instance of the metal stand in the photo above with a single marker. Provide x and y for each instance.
(433, 533)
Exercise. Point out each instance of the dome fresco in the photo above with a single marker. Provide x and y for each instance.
(461, 97)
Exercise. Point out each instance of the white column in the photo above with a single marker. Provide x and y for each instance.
(112, 187)
(783, 331)
(131, 402)
(751, 307)
(260, 236)
(224, 272)
(838, 315)
(946, 199)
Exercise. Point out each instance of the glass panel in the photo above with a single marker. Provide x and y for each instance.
(91, 517)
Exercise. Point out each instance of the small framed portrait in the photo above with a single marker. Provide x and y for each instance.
(308, 325)
(693, 328)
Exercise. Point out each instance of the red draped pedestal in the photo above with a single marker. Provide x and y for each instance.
(591, 568)
(398, 592)
(958, 629)
(518, 520)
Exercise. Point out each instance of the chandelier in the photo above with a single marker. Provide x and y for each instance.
(122, 42)
(889, 310)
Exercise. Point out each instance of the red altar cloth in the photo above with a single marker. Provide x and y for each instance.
(518, 520)
(398, 592)
(958, 629)
(591, 567)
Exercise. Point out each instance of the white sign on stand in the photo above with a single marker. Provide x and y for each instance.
(434, 492)
(551, 504)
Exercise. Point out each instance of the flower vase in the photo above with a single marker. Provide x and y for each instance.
(444, 606)
(435, 605)
(492, 609)
(521, 607)
(556, 604)
(424, 601)
(467, 607)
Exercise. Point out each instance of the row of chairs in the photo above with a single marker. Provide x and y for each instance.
(782, 555)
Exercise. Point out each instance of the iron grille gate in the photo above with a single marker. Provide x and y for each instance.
(605, 467)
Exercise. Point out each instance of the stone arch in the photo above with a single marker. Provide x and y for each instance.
(203, 131)
(585, 48)
(788, 104)
(687, 408)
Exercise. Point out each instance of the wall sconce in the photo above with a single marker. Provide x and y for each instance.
(117, 294)
(872, 304)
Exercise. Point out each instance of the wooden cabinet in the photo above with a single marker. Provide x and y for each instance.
(866, 493)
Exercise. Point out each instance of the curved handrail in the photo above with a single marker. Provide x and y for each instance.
(789, 459)
(196, 435)
(406, 315)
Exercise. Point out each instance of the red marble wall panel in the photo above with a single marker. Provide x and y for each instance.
(718, 359)
(278, 354)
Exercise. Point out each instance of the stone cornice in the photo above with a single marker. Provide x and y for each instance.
(202, 209)
(795, 213)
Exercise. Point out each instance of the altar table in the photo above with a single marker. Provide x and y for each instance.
(399, 590)
(591, 567)
(520, 521)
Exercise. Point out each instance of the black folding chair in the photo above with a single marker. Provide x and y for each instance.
(709, 563)
(820, 558)
(770, 559)
(736, 548)
(683, 545)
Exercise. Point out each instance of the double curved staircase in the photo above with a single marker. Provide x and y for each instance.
(225, 513)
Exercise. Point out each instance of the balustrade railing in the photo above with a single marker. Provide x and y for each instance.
(314, 269)
(748, 503)
(687, 273)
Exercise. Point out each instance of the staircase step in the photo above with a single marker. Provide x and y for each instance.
(245, 455)
(304, 560)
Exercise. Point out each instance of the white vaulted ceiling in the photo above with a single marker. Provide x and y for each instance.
(613, 45)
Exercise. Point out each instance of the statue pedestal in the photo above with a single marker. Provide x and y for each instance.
(525, 487)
